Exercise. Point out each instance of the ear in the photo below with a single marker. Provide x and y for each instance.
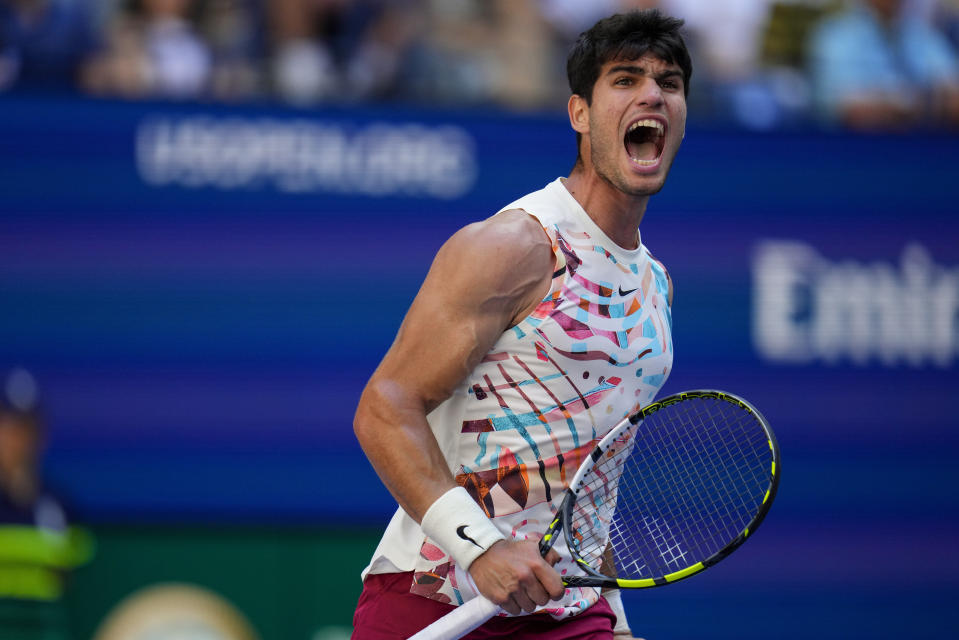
(578, 114)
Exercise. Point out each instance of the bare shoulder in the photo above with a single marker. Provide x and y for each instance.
(503, 246)
(503, 262)
(509, 231)
(485, 276)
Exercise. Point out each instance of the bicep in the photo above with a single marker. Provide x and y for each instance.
(479, 280)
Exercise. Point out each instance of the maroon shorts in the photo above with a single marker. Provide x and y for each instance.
(388, 611)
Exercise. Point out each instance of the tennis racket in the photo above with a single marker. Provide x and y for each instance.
(670, 491)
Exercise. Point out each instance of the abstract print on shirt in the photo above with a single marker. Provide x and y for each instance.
(597, 348)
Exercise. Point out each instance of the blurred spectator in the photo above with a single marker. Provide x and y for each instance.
(302, 66)
(231, 29)
(488, 52)
(453, 64)
(526, 73)
(571, 17)
(749, 58)
(377, 68)
(151, 49)
(121, 66)
(878, 67)
(37, 547)
(726, 35)
(759, 63)
(180, 61)
(945, 15)
(43, 41)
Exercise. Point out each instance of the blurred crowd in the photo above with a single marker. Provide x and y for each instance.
(869, 64)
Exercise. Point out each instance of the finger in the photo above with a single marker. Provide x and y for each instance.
(511, 607)
(551, 581)
(524, 602)
(537, 593)
(552, 557)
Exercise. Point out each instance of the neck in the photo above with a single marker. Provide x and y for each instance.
(618, 214)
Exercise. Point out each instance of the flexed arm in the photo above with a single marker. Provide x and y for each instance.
(483, 280)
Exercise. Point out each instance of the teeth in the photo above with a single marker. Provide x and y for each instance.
(653, 124)
(656, 126)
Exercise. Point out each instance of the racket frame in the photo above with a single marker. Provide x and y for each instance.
(564, 515)
(475, 612)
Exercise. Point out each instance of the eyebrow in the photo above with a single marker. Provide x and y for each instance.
(641, 71)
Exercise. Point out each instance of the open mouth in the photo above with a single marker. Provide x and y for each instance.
(644, 141)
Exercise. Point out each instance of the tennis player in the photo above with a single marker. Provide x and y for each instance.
(534, 333)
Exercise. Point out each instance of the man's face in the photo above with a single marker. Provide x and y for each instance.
(18, 445)
(636, 123)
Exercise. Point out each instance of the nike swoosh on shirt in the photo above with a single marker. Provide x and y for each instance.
(626, 293)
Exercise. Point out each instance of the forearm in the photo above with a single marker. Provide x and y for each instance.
(393, 431)
(411, 464)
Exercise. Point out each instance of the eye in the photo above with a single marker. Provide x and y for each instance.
(623, 81)
(669, 84)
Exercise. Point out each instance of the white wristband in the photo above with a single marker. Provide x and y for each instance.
(615, 600)
(460, 527)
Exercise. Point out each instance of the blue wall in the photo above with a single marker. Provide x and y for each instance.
(202, 292)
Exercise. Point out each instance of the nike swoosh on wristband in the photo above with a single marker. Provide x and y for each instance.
(461, 532)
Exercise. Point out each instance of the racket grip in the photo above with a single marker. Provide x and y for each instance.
(460, 621)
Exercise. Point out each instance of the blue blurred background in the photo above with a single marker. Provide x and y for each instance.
(201, 275)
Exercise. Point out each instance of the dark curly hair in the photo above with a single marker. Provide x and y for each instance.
(626, 36)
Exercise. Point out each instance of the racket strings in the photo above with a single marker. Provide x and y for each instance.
(595, 506)
(693, 483)
(731, 485)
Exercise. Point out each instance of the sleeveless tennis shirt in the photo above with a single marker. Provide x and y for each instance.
(598, 347)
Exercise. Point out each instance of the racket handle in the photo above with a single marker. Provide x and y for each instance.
(460, 621)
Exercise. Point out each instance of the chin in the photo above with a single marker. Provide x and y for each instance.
(644, 187)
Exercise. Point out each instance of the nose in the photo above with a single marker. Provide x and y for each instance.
(650, 94)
